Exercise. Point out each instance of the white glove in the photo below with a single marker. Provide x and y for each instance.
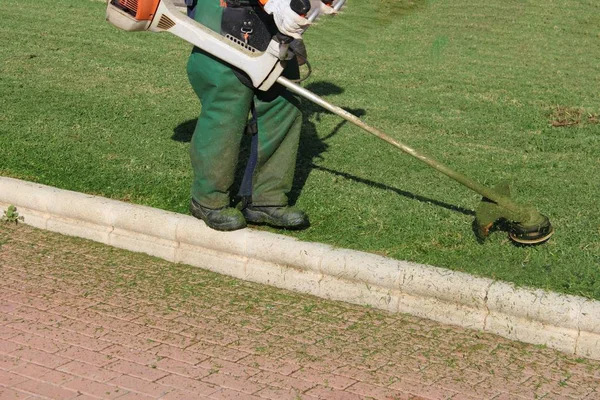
(323, 8)
(288, 22)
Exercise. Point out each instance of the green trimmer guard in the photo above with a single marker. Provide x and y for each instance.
(523, 223)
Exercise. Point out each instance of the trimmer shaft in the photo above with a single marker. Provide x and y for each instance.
(526, 225)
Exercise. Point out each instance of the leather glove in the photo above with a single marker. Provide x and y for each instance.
(288, 22)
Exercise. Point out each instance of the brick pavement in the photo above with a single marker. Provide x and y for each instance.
(79, 320)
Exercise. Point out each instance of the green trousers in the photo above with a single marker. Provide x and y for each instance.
(226, 105)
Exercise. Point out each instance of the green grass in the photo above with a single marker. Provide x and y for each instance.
(478, 85)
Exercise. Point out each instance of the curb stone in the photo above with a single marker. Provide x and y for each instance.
(567, 323)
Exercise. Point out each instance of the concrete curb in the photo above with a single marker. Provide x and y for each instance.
(567, 323)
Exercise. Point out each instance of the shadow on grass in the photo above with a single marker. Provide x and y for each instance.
(400, 192)
(311, 148)
(311, 145)
(184, 131)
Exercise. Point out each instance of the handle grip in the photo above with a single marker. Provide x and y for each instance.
(300, 7)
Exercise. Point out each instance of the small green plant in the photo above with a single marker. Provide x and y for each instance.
(11, 215)
(308, 308)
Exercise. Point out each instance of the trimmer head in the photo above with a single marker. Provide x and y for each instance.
(525, 226)
(531, 235)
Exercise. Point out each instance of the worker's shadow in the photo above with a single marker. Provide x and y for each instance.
(311, 149)
(312, 146)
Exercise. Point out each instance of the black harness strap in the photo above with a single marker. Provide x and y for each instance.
(252, 127)
(242, 3)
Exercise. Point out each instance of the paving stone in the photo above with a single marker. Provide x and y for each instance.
(6, 319)
(12, 394)
(149, 373)
(132, 341)
(364, 375)
(118, 351)
(273, 393)
(39, 342)
(229, 368)
(469, 385)
(8, 347)
(101, 323)
(30, 370)
(57, 378)
(318, 377)
(178, 354)
(115, 311)
(39, 357)
(432, 392)
(76, 353)
(7, 332)
(322, 392)
(282, 381)
(11, 379)
(73, 325)
(160, 323)
(140, 386)
(194, 386)
(161, 336)
(233, 382)
(181, 368)
(46, 390)
(594, 395)
(181, 395)
(136, 396)
(8, 362)
(62, 336)
(236, 340)
(93, 388)
(229, 394)
(88, 371)
(217, 351)
(34, 314)
(378, 392)
(28, 300)
(283, 367)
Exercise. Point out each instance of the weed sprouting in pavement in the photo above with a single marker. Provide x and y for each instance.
(11, 215)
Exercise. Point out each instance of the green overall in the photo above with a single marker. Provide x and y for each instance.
(226, 105)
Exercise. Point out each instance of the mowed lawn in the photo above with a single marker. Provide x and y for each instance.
(500, 90)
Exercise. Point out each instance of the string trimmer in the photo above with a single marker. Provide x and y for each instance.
(497, 211)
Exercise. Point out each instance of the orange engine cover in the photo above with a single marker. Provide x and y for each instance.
(142, 9)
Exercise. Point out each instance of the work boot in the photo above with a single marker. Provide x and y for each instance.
(220, 219)
(276, 216)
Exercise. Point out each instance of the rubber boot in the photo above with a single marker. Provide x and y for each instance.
(221, 219)
(276, 216)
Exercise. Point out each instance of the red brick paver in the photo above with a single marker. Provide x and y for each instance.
(80, 320)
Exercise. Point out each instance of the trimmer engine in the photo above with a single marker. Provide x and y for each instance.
(263, 68)
(131, 15)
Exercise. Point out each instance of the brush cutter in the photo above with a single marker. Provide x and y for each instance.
(497, 211)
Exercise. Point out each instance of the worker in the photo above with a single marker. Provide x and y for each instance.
(228, 99)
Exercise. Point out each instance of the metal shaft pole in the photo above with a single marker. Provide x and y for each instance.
(501, 200)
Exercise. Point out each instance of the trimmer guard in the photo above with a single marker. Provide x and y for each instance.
(526, 226)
